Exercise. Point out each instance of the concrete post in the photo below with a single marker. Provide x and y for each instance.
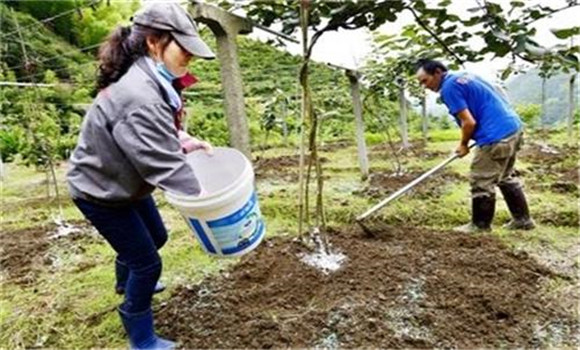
(425, 121)
(354, 79)
(571, 104)
(226, 27)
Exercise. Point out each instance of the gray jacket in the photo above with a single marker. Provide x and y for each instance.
(128, 144)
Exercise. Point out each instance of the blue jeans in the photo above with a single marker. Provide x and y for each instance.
(135, 232)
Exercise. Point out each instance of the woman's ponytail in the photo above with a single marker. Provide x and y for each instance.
(123, 47)
(115, 58)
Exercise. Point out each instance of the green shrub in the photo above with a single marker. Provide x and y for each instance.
(12, 141)
(530, 113)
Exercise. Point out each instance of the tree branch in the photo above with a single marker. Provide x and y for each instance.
(433, 35)
(344, 25)
(551, 13)
(524, 58)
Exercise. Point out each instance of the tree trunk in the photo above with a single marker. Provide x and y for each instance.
(304, 108)
(572, 105)
(51, 166)
(360, 127)
(47, 184)
(403, 116)
(544, 114)
(285, 125)
(398, 165)
(265, 144)
(425, 121)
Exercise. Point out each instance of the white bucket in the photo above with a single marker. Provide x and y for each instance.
(226, 220)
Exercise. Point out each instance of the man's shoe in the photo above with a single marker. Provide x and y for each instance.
(526, 225)
(470, 228)
(482, 212)
(517, 204)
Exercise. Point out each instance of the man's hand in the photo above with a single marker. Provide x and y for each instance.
(462, 150)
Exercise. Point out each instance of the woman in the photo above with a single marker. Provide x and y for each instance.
(131, 142)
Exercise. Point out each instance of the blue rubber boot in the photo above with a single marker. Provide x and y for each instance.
(139, 327)
(122, 275)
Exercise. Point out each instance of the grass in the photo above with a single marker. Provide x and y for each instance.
(72, 303)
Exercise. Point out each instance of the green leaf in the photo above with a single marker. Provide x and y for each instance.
(506, 73)
(566, 33)
(535, 14)
(493, 8)
(472, 21)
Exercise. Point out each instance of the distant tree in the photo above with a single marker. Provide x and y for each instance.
(275, 114)
(42, 10)
(93, 26)
(530, 113)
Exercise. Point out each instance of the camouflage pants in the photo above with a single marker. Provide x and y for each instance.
(493, 165)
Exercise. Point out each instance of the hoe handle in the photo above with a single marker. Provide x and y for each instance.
(407, 187)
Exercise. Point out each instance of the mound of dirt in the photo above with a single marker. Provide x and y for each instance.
(280, 167)
(566, 218)
(544, 154)
(565, 187)
(20, 252)
(572, 175)
(406, 288)
(382, 184)
(25, 253)
(568, 182)
(416, 148)
(335, 145)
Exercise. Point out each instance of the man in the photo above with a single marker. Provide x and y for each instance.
(485, 116)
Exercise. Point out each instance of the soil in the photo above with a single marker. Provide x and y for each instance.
(568, 218)
(548, 170)
(336, 145)
(571, 175)
(382, 184)
(25, 253)
(21, 252)
(416, 148)
(278, 167)
(568, 182)
(406, 287)
(545, 155)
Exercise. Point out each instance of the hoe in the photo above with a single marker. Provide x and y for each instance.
(402, 191)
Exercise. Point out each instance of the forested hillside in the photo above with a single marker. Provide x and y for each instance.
(40, 53)
(527, 89)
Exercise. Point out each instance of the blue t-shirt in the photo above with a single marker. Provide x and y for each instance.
(494, 116)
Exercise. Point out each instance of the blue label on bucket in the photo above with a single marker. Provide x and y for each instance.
(202, 235)
(235, 232)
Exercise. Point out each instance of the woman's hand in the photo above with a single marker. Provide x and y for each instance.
(190, 143)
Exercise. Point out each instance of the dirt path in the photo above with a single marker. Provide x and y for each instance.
(407, 288)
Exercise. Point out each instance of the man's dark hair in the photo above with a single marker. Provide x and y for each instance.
(430, 66)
